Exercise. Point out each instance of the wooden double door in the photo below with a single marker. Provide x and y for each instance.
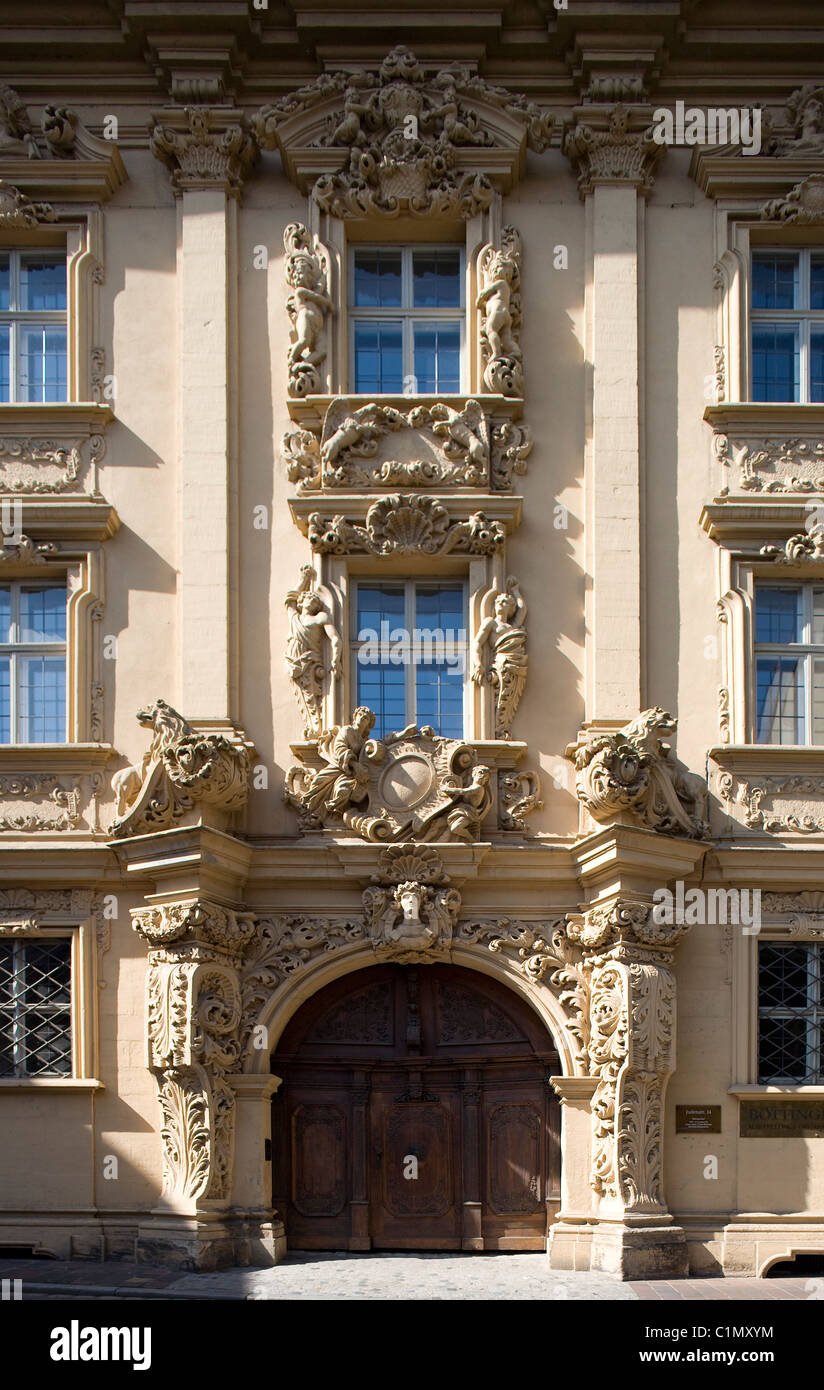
(415, 1114)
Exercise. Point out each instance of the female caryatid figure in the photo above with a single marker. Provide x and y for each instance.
(499, 651)
(311, 625)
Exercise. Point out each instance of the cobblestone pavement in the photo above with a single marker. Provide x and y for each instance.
(316, 1275)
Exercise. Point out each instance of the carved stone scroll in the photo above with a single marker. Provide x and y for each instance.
(403, 524)
(182, 771)
(633, 772)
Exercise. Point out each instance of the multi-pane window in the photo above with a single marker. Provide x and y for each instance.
(32, 663)
(790, 1013)
(406, 320)
(789, 663)
(410, 654)
(33, 357)
(788, 325)
(35, 1007)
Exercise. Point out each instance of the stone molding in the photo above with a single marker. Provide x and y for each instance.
(62, 160)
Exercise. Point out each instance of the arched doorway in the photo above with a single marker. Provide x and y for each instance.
(415, 1114)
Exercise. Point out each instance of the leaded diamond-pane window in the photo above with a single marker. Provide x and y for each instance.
(35, 1008)
(790, 1013)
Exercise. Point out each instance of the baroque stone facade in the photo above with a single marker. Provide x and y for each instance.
(499, 796)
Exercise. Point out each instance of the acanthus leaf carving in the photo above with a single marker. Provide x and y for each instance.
(398, 136)
(614, 154)
(633, 771)
(200, 157)
(804, 548)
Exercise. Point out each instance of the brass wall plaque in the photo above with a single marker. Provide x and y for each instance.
(698, 1119)
(765, 1118)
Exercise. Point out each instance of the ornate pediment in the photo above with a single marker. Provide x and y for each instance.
(403, 138)
(61, 159)
(410, 785)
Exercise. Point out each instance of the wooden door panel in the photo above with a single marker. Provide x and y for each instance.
(421, 1133)
(319, 1183)
(515, 1165)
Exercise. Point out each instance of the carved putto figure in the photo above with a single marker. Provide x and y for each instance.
(500, 651)
(634, 771)
(499, 303)
(307, 272)
(311, 624)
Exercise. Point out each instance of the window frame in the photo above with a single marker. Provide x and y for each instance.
(18, 942)
(406, 312)
(806, 652)
(16, 317)
(803, 318)
(410, 587)
(812, 1013)
(14, 649)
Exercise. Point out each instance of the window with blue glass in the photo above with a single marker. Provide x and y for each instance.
(788, 325)
(791, 1013)
(33, 351)
(410, 654)
(406, 314)
(789, 663)
(32, 663)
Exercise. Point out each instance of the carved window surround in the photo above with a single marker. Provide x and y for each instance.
(63, 538)
(60, 913)
(479, 570)
(743, 527)
(769, 793)
(786, 916)
(78, 231)
(773, 450)
(749, 214)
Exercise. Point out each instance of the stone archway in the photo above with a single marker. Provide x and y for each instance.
(414, 1112)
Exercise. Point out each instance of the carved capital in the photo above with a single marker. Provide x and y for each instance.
(201, 157)
(624, 922)
(197, 924)
(615, 154)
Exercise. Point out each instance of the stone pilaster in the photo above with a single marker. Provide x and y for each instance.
(209, 154)
(615, 162)
(193, 1050)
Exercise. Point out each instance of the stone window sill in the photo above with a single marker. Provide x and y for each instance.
(66, 1084)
